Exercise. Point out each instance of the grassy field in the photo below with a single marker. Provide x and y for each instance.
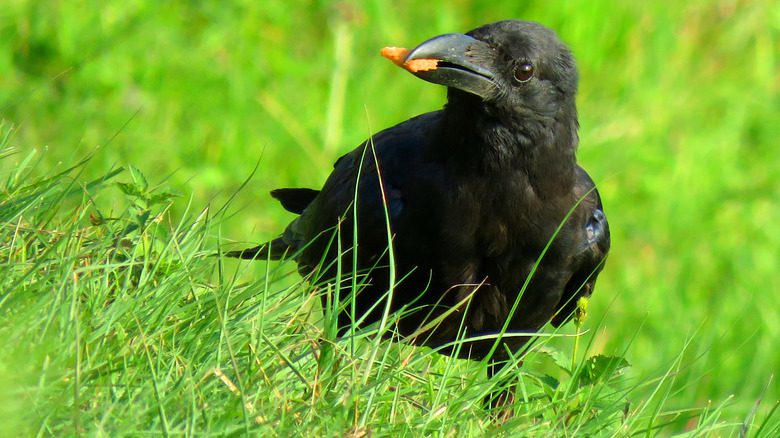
(138, 137)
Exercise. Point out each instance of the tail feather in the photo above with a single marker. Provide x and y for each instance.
(295, 200)
(273, 250)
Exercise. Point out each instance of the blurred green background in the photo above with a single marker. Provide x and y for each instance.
(679, 113)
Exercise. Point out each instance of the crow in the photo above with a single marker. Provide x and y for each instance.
(476, 218)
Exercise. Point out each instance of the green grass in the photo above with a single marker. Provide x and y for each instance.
(115, 320)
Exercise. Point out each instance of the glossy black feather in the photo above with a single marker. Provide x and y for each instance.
(294, 200)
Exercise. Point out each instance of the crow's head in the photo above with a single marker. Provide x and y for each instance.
(513, 67)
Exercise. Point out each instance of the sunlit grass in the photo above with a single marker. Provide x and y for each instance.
(678, 107)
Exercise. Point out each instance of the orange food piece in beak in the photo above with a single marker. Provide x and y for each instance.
(395, 54)
(422, 64)
(398, 54)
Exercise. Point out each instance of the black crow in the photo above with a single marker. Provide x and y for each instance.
(495, 229)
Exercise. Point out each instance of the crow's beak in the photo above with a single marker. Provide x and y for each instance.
(454, 60)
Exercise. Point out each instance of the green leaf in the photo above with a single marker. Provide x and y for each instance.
(130, 189)
(549, 381)
(142, 218)
(599, 368)
(163, 196)
(138, 178)
(561, 359)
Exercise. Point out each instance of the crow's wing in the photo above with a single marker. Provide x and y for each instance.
(405, 176)
(591, 252)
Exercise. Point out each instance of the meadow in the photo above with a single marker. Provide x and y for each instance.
(139, 138)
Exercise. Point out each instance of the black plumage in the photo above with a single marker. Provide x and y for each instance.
(474, 193)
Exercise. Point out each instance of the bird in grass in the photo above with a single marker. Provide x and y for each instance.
(476, 217)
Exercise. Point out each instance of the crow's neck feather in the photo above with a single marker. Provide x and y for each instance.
(541, 146)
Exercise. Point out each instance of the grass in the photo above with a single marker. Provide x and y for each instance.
(116, 322)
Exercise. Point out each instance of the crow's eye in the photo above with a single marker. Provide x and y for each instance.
(524, 72)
